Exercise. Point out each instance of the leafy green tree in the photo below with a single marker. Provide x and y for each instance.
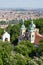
(15, 32)
(5, 52)
(2, 22)
(40, 49)
(39, 24)
(24, 48)
(1, 62)
(1, 32)
(8, 29)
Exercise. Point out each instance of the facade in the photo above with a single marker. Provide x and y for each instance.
(6, 37)
(32, 34)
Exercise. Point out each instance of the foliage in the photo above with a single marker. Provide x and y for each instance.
(39, 24)
(14, 31)
(8, 29)
(16, 55)
(5, 52)
(35, 61)
(24, 53)
(24, 48)
(40, 49)
(2, 22)
(1, 32)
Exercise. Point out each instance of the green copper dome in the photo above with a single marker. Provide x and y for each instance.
(23, 26)
(32, 25)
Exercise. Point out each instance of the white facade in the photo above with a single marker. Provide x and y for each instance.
(23, 29)
(32, 32)
(32, 37)
(6, 36)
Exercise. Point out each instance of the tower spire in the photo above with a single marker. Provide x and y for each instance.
(23, 29)
(32, 25)
(23, 21)
(32, 22)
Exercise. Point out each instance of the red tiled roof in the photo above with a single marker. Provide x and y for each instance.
(38, 37)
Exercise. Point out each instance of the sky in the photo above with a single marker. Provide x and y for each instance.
(26, 4)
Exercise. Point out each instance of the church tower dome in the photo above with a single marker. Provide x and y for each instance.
(23, 26)
(32, 26)
(23, 29)
(32, 32)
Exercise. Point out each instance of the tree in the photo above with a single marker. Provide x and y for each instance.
(39, 24)
(15, 32)
(40, 49)
(5, 52)
(24, 48)
(1, 32)
(8, 29)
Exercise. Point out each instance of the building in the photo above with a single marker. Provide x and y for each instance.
(32, 34)
(6, 37)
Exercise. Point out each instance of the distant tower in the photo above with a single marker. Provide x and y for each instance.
(32, 32)
(23, 29)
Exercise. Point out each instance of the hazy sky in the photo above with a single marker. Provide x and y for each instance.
(21, 4)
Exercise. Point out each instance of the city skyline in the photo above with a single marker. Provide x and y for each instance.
(24, 4)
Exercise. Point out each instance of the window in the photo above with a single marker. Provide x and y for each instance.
(32, 35)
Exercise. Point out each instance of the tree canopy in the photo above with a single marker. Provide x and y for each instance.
(24, 53)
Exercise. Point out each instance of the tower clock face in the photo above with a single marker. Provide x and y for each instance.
(32, 35)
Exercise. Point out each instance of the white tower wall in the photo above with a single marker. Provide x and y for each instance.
(32, 37)
(32, 32)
